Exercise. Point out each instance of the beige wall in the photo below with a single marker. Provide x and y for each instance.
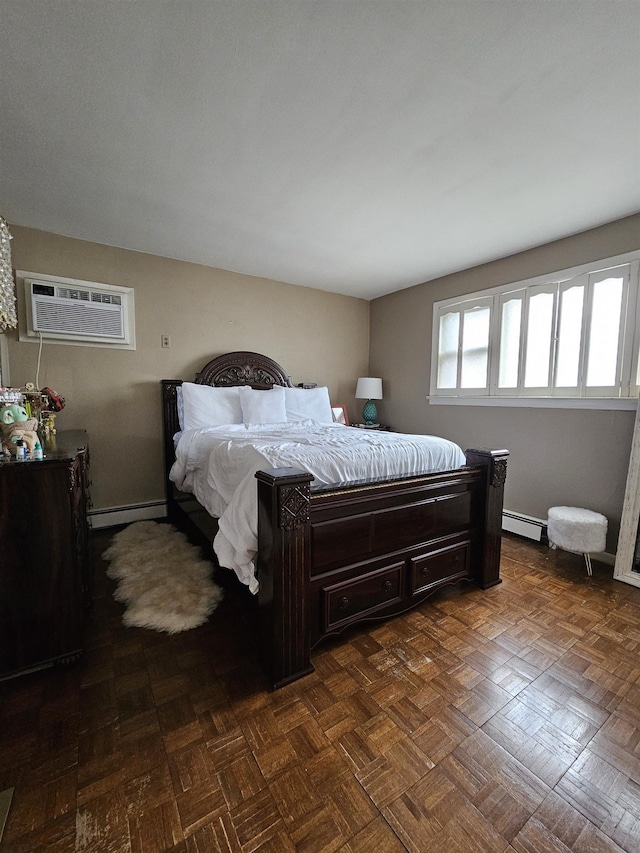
(558, 457)
(115, 394)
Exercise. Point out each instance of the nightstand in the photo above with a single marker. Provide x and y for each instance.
(381, 427)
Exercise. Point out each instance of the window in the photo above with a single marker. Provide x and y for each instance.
(574, 335)
(463, 347)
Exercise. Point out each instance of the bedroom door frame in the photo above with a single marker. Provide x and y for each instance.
(629, 534)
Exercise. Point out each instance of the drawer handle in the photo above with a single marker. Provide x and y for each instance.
(456, 561)
(387, 586)
(343, 603)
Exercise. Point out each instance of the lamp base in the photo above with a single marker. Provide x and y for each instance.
(370, 413)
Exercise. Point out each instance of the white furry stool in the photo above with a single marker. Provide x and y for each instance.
(581, 531)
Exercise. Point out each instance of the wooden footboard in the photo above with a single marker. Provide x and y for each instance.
(330, 559)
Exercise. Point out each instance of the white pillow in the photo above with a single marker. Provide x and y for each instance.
(263, 407)
(180, 405)
(205, 406)
(308, 404)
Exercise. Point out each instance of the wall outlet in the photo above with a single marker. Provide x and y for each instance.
(165, 341)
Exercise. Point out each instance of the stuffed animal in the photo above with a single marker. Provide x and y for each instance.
(16, 423)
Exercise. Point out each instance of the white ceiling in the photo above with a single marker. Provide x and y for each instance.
(358, 146)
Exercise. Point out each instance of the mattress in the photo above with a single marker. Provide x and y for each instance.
(218, 466)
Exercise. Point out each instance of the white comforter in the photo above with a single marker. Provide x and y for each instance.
(218, 466)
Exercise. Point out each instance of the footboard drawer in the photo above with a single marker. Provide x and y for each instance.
(354, 599)
(447, 564)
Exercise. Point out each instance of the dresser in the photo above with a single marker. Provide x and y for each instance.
(45, 561)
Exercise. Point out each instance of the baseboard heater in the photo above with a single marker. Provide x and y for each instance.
(117, 515)
(524, 525)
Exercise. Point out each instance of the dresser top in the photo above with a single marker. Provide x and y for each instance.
(64, 445)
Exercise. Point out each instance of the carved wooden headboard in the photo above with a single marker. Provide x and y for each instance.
(233, 368)
(243, 368)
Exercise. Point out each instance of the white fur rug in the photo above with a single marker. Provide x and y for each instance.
(162, 579)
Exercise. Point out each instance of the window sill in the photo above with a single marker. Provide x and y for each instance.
(613, 403)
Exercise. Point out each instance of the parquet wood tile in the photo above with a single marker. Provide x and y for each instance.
(504, 720)
(219, 720)
(102, 824)
(191, 768)
(240, 779)
(406, 715)
(291, 709)
(390, 774)
(355, 748)
(219, 836)
(275, 758)
(40, 805)
(499, 786)
(520, 732)
(446, 729)
(326, 769)
(156, 828)
(483, 701)
(226, 748)
(381, 733)
(257, 819)
(200, 806)
(317, 832)
(352, 807)
(144, 791)
(377, 836)
(630, 703)
(308, 740)
(294, 794)
(604, 795)
(48, 766)
(98, 705)
(618, 742)
(435, 815)
(59, 836)
(558, 827)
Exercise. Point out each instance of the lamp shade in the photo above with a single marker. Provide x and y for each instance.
(369, 388)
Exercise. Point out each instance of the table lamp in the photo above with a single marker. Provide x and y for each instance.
(369, 388)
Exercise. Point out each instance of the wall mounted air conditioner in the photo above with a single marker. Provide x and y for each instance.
(79, 312)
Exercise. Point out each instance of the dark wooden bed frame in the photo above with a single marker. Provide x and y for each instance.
(332, 557)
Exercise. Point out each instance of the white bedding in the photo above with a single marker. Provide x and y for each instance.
(218, 466)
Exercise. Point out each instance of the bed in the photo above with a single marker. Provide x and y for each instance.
(330, 555)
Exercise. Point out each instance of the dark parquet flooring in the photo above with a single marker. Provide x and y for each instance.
(505, 720)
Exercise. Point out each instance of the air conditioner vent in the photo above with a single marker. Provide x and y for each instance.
(76, 318)
(68, 293)
(62, 310)
(106, 298)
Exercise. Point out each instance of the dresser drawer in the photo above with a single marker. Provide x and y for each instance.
(356, 598)
(428, 570)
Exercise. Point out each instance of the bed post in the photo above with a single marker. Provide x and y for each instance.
(284, 572)
(487, 555)
(170, 427)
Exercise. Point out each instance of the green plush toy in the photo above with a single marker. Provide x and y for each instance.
(16, 423)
